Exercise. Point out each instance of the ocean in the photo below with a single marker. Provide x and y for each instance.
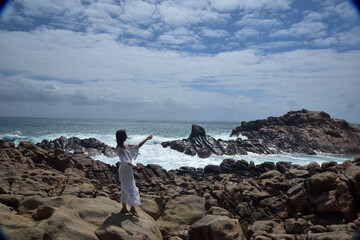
(37, 129)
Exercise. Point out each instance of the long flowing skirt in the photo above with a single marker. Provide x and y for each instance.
(129, 192)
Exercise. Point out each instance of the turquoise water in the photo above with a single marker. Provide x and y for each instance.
(37, 129)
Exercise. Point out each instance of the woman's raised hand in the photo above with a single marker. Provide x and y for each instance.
(146, 139)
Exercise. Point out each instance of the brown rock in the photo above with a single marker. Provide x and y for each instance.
(11, 200)
(43, 212)
(316, 229)
(29, 149)
(270, 174)
(28, 233)
(297, 173)
(123, 227)
(220, 211)
(348, 207)
(298, 197)
(152, 205)
(62, 161)
(214, 227)
(261, 227)
(353, 174)
(180, 212)
(5, 144)
(341, 235)
(321, 182)
(295, 226)
(325, 202)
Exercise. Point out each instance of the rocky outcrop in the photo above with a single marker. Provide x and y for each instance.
(78, 199)
(30, 170)
(202, 145)
(89, 146)
(70, 217)
(303, 132)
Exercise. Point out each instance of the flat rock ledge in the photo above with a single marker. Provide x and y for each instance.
(53, 194)
(302, 131)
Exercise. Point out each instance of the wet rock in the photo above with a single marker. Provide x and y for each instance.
(197, 131)
(212, 169)
(90, 146)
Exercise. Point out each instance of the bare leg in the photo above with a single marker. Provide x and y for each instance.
(124, 209)
(133, 211)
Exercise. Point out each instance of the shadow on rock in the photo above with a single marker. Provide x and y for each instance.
(126, 226)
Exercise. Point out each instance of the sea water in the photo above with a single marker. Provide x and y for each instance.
(37, 129)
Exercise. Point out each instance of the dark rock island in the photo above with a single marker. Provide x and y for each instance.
(302, 131)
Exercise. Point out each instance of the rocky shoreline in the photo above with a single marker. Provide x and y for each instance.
(50, 191)
(303, 131)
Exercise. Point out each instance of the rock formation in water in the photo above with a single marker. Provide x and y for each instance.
(198, 143)
(89, 146)
(53, 194)
(302, 131)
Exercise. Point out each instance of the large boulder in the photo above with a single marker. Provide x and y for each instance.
(353, 174)
(181, 212)
(197, 131)
(321, 182)
(152, 205)
(70, 217)
(214, 227)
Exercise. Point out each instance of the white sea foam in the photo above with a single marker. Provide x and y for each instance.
(153, 153)
(15, 137)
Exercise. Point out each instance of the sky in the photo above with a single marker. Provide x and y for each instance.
(212, 60)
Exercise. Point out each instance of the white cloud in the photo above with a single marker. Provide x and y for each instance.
(350, 38)
(214, 33)
(246, 32)
(177, 14)
(277, 45)
(325, 42)
(178, 36)
(231, 5)
(138, 12)
(139, 32)
(256, 21)
(303, 29)
(314, 17)
(341, 9)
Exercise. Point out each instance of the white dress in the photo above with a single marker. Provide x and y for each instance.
(129, 192)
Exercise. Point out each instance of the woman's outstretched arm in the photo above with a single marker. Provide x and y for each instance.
(146, 139)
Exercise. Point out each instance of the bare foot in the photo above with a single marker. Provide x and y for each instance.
(135, 213)
(125, 211)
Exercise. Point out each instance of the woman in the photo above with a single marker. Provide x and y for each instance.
(127, 153)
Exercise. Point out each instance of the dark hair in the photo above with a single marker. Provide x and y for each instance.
(120, 137)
